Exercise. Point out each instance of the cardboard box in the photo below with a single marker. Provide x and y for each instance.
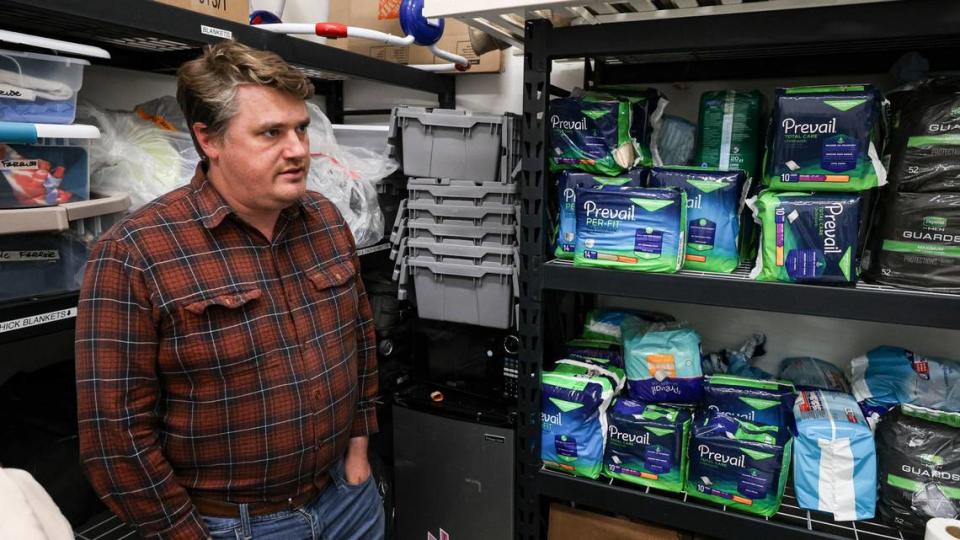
(237, 11)
(572, 524)
(381, 15)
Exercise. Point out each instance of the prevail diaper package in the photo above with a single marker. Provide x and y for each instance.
(758, 402)
(606, 324)
(615, 375)
(808, 237)
(567, 184)
(834, 456)
(647, 444)
(591, 134)
(730, 131)
(919, 454)
(822, 139)
(646, 107)
(574, 414)
(662, 362)
(808, 373)
(926, 146)
(918, 242)
(595, 351)
(640, 229)
(738, 464)
(714, 205)
(888, 376)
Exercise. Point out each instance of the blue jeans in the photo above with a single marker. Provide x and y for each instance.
(341, 512)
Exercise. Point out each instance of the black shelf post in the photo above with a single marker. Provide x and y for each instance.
(533, 234)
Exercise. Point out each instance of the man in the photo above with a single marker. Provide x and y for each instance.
(226, 366)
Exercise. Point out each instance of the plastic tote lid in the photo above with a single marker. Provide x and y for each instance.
(55, 45)
(15, 132)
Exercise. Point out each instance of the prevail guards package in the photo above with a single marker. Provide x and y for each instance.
(647, 444)
(574, 414)
(808, 237)
(714, 205)
(919, 454)
(738, 464)
(591, 134)
(835, 458)
(926, 148)
(730, 132)
(918, 242)
(822, 139)
(888, 376)
(640, 229)
(663, 362)
(758, 402)
(567, 184)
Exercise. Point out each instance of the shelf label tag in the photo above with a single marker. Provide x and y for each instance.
(8, 91)
(215, 32)
(29, 255)
(19, 164)
(36, 320)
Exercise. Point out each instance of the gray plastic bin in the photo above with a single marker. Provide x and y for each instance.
(481, 295)
(464, 235)
(489, 214)
(452, 253)
(461, 192)
(446, 143)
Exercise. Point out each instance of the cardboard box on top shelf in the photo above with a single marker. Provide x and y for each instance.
(381, 15)
(573, 524)
(237, 11)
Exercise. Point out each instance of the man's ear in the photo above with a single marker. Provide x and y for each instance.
(210, 144)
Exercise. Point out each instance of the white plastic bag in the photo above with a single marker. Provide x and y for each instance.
(347, 176)
(138, 157)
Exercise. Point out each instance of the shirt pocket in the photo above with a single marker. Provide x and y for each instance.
(220, 331)
(336, 309)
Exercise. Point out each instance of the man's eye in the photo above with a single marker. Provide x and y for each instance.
(271, 133)
(302, 128)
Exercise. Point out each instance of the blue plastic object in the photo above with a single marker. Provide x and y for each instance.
(262, 16)
(14, 132)
(415, 24)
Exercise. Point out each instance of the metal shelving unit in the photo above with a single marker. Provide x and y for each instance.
(828, 38)
(149, 36)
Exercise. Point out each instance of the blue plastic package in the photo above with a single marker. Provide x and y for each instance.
(714, 204)
(567, 184)
(662, 362)
(758, 402)
(889, 376)
(738, 464)
(574, 415)
(808, 373)
(640, 229)
(647, 444)
(835, 456)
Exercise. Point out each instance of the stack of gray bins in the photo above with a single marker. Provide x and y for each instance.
(455, 237)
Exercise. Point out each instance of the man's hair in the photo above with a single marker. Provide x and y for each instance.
(207, 86)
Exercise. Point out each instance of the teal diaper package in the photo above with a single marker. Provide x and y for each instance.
(739, 464)
(641, 229)
(714, 206)
(567, 184)
(662, 362)
(808, 237)
(823, 138)
(591, 134)
(647, 444)
(574, 402)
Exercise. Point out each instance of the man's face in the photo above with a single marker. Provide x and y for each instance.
(264, 153)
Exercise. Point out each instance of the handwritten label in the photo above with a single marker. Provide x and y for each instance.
(19, 164)
(15, 92)
(36, 320)
(215, 32)
(29, 255)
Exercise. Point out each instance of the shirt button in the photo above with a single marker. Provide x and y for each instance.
(336, 276)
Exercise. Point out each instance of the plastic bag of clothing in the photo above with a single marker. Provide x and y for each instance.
(26, 510)
(138, 156)
(347, 176)
(919, 454)
(807, 373)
